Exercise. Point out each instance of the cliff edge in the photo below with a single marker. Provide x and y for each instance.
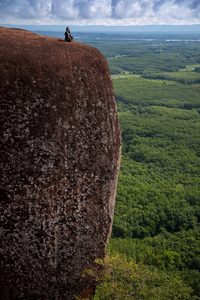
(59, 164)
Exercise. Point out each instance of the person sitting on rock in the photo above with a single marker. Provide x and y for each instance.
(68, 36)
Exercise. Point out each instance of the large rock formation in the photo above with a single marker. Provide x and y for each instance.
(60, 156)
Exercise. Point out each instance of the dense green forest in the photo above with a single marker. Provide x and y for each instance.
(155, 246)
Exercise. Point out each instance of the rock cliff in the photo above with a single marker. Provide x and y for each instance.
(59, 163)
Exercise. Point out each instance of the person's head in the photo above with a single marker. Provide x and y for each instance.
(67, 29)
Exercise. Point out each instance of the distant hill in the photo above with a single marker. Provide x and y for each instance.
(136, 28)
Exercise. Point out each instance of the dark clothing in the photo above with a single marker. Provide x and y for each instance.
(68, 36)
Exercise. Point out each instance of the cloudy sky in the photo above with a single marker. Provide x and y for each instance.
(100, 12)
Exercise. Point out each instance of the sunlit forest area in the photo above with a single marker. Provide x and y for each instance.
(154, 251)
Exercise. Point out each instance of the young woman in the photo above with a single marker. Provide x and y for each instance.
(68, 36)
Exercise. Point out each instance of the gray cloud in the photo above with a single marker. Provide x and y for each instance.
(24, 9)
(157, 4)
(195, 4)
(100, 11)
(64, 10)
(81, 9)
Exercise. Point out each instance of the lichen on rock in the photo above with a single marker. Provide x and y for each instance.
(60, 157)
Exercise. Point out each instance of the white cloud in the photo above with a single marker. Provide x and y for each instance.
(64, 10)
(100, 12)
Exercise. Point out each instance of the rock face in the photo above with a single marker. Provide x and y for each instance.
(60, 156)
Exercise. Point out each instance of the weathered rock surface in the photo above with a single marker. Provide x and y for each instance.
(60, 155)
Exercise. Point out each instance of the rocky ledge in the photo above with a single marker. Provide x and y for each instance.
(59, 164)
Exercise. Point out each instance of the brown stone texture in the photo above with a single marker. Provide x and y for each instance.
(59, 164)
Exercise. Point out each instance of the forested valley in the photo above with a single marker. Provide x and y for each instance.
(154, 251)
